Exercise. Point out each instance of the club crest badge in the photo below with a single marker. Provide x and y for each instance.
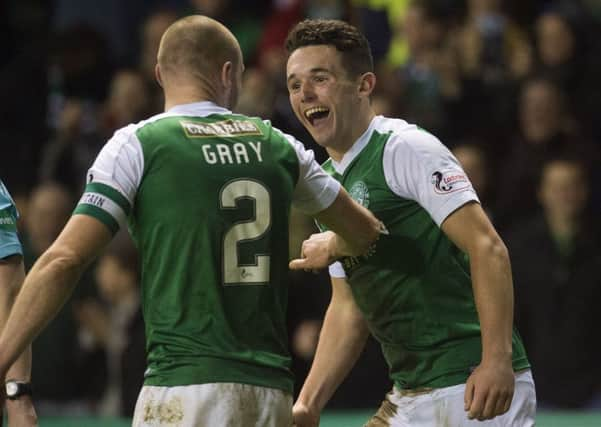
(360, 193)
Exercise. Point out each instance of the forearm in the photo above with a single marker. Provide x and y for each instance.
(45, 290)
(493, 293)
(12, 274)
(355, 226)
(341, 341)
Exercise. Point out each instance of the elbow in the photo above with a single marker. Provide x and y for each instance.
(62, 260)
(493, 247)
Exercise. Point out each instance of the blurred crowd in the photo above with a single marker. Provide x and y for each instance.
(512, 87)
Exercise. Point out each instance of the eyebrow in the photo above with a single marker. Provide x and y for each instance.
(312, 71)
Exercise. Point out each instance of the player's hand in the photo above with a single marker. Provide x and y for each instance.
(21, 412)
(489, 390)
(316, 252)
(303, 416)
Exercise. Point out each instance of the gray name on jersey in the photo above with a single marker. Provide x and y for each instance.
(229, 154)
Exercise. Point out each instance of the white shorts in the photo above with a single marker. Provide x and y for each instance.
(212, 405)
(443, 407)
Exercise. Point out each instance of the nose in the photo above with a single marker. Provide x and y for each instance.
(307, 91)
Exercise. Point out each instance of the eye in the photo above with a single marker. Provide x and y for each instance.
(294, 87)
(320, 79)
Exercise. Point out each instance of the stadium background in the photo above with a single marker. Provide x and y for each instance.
(511, 86)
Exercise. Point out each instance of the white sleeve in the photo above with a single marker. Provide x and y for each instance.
(417, 166)
(336, 270)
(315, 189)
(113, 179)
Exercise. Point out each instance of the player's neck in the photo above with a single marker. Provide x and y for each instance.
(345, 140)
(187, 94)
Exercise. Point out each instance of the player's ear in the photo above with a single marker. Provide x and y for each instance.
(367, 83)
(227, 70)
(157, 75)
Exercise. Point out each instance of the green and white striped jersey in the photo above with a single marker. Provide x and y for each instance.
(415, 291)
(207, 194)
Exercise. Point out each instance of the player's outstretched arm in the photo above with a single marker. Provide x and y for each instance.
(301, 226)
(354, 230)
(21, 411)
(49, 284)
(489, 389)
(356, 227)
(341, 341)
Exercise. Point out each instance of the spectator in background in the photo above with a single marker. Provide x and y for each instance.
(546, 128)
(563, 56)
(243, 17)
(68, 378)
(429, 77)
(556, 256)
(492, 53)
(493, 48)
(118, 325)
(257, 94)
(475, 164)
(152, 30)
(68, 156)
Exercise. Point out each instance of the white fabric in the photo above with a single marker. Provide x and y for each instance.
(103, 202)
(337, 270)
(417, 166)
(212, 405)
(444, 407)
(411, 159)
(120, 163)
(315, 189)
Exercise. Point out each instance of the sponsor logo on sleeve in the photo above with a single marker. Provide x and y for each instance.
(449, 181)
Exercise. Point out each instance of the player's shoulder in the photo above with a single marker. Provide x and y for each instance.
(408, 140)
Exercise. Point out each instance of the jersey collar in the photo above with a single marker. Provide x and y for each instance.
(356, 148)
(204, 108)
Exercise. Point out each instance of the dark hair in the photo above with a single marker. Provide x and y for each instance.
(567, 157)
(347, 39)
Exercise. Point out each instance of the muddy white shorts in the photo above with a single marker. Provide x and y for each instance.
(443, 407)
(212, 405)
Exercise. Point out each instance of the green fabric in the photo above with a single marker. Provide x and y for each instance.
(99, 214)
(200, 326)
(114, 195)
(415, 291)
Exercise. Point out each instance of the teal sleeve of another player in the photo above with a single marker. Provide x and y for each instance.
(9, 241)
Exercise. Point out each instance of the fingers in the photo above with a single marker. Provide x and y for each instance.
(490, 405)
(298, 264)
(477, 405)
(485, 406)
(502, 406)
(507, 403)
(469, 394)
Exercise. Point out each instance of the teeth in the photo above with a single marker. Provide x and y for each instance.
(314, 110)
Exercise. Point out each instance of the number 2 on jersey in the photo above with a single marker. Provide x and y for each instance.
(244, 231)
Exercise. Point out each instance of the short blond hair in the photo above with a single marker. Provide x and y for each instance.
(197, 46)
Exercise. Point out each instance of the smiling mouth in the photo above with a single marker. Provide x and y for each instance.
(316, 113)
